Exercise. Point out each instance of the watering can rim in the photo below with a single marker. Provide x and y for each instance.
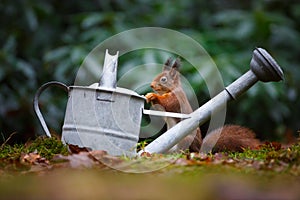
(118, 90)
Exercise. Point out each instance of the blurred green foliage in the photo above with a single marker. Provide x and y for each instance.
(47, 40)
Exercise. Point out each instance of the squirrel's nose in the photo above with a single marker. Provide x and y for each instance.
(152, 85)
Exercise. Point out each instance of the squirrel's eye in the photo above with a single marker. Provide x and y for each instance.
(163, 79)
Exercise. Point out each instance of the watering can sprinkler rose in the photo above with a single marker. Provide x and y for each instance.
(106, 117)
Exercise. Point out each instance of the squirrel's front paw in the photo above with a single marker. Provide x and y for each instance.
(150, 97)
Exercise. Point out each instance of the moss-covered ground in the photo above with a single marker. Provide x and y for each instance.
(43, 169)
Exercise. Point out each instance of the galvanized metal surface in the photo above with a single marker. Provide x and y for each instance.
(100, 124)
(108, 77)
(101, 116)
(36, 102)
(166, 114)
(263, 67)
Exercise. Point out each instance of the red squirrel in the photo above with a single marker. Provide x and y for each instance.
(171, 97)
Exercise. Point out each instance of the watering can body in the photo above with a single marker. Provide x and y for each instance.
(99, 118)
(95, 119)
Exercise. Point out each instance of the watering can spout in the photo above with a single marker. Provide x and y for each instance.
(108, 78)
(264, 66)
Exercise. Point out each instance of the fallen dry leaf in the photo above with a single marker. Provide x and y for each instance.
(146, 154)
(185, 162)
(80, 160)
(33, 159)
(98, 154)
(76, 149)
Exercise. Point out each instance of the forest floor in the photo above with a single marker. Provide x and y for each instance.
(44, 169)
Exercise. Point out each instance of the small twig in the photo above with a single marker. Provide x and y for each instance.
(4, 143)
(3, 137)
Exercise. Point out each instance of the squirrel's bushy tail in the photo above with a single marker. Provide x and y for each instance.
(227, 138)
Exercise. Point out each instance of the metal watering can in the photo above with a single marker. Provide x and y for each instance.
(101, 116)
(105, 117)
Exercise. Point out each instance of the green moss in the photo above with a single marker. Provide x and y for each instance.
(290, 155)
(45, 147)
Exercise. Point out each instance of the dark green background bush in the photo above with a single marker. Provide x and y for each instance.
(47, 40)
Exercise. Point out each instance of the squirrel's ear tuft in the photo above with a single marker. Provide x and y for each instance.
(177, 64)
(167, 65)
(175, 68)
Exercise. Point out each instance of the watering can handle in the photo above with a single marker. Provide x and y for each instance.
(36, 102)
(166, 114)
